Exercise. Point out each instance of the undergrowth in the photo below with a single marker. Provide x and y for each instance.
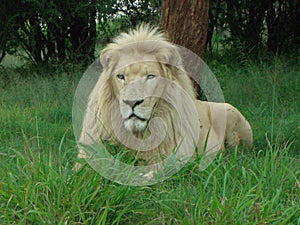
(256, 186)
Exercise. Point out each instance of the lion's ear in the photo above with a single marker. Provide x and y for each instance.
(108, 58)
(170, 56)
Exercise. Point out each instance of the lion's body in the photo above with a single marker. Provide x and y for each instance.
(237, 130)
(140, 58)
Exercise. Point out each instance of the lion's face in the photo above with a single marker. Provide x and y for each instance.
(138, 88)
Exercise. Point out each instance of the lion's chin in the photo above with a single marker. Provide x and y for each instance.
(135, 125)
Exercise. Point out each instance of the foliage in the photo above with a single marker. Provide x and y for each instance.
(259, 186)
(51, 31)
(120, 15)
(9, 24)
(254, 24)
(58, 31)
(64, 31)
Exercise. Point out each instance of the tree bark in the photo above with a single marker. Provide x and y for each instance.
(186, 22)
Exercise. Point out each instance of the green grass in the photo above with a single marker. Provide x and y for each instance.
(257, 186)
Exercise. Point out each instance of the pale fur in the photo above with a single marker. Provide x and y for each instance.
(152, 44)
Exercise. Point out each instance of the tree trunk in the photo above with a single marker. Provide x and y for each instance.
(185, 22)
(37, 42)
(213, 15)
(92, 30)
(296, 23)
(2, 55)
(83, 34)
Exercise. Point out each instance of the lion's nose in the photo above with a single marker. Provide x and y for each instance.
(133, 103)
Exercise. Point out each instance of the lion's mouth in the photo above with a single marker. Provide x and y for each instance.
(137, 117)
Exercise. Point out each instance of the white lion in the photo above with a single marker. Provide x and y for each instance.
(130, 92)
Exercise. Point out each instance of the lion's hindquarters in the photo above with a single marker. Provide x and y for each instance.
(238, 129)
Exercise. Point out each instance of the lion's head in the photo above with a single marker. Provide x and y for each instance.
(140, 71)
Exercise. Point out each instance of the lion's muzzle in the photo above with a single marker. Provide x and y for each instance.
(135, 114)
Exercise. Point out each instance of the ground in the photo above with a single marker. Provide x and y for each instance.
(256, 186)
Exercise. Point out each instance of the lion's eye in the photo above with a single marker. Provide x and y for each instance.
(150, 76)
(121, 76)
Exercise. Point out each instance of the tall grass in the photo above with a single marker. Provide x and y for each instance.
(258, 186)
